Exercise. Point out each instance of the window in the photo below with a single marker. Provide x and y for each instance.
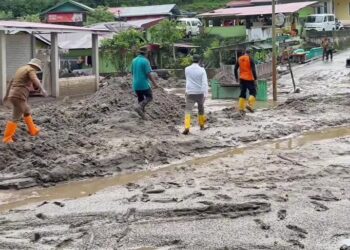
(331, 18)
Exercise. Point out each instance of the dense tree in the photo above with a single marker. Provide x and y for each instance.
(101, 14)
(21, 8)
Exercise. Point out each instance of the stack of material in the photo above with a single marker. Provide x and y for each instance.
(225, 78)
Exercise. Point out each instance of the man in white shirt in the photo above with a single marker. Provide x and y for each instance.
(196, 92)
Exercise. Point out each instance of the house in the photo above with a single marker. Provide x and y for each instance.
(17, 47)
(253, 23)
(145, 12)
(342, 11)
(67, 13)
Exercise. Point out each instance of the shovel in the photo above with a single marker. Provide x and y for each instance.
(296, 90)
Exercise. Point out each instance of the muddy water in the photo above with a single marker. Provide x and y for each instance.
(73, 190)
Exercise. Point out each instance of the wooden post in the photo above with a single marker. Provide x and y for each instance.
(54, 65)
(274, 72)
(3, 78)
(33, 44)
(95, 61)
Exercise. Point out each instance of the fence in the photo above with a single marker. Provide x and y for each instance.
(340, 38)
(262, 70)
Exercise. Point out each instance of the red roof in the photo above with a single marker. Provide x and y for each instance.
(258, 10)
(45, 27)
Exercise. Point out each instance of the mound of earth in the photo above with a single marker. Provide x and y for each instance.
(74, 141)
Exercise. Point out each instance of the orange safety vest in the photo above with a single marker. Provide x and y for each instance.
(245, 68)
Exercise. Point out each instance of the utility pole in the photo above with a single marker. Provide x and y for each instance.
(274, 73)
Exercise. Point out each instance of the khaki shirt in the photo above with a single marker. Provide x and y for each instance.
(22, 82)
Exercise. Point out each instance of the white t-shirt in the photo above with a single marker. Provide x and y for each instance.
(196, 80)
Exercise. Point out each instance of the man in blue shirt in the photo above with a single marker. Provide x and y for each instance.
(142, 75)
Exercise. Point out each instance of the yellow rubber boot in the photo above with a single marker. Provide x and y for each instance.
(202, 119)
(241, 106)
(32, 128)
(10, 131)
(187, 124)
(251, 104)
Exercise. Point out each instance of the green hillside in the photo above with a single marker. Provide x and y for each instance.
(17, 8)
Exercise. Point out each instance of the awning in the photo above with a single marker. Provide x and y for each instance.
(185, 45)
(46, 28)
(258, 10)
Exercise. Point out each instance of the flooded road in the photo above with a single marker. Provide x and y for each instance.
(77, 189)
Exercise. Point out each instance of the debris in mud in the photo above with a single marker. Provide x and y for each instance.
(296, 243)
(297, 229)
(263, 225)
(41, 216)
(282, 214)
(319, 207)
(36, 237)
(327, 196)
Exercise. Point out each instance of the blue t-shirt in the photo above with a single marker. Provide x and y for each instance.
(140, 68)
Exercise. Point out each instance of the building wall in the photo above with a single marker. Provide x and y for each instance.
(342, 10)
(18, 52)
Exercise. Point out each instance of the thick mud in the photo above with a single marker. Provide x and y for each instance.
(292, 194)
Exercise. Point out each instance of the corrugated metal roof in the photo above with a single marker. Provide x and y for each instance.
(81, 40)
(153, 10)
(45, 27)
(258, 10)
(80, 5)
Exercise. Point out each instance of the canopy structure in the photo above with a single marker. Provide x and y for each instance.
(8, 27)
(258, 10)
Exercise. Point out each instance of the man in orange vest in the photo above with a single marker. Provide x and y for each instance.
(247, 81)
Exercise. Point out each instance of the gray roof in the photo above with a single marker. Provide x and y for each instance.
(165, 9)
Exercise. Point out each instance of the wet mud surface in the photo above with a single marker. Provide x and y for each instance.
(290, 194)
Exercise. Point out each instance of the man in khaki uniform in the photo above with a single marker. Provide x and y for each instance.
(17, 95)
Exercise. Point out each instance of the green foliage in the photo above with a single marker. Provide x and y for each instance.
(166, 33)
(122, 48)
(100, 15)
(6, 15)
(211, 56)
(31, 18)
(185, 61)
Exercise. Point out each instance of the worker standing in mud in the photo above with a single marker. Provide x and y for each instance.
(327, 49)
(17, 95)
(196, 92)
(142, 75)
(247, 80)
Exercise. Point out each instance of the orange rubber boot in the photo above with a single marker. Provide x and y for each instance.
(32, 128)
(10, 131)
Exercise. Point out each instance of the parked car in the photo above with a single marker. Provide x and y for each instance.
(192, 26)
(320, 22)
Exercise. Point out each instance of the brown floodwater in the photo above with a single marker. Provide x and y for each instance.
(72, 190)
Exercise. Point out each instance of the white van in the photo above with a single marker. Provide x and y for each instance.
(320, 22)
(192, 25)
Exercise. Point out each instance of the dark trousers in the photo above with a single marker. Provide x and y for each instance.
(327, 53)
(144, 97)
(191, 100)
(247, 85)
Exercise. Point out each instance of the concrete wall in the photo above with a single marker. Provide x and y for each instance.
(342, 10)
(75, 86)
(18, 52)
(340, 38)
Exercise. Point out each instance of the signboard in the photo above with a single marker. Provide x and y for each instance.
(65, 18)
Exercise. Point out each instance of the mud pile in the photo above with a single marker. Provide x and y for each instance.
(74, 138)
(225, 77)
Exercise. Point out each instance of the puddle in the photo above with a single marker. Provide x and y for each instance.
(73, 190)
